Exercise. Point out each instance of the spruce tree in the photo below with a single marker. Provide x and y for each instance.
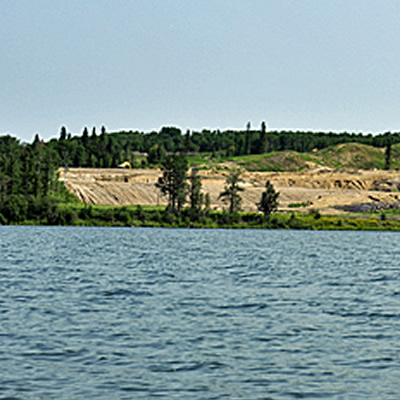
(248, 138)
(263, 138)
(196, 197)
(172, 183)
(388, 153)
(231, 193)
(269, 200)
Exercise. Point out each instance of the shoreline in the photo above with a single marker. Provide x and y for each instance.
(157, 217)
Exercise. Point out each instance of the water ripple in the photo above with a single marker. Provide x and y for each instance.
(95, 313)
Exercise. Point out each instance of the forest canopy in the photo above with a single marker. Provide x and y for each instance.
(107, 150)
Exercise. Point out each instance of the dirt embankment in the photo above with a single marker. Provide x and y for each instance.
(321, 189)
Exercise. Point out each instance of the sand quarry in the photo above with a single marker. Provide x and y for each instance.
(318, 189)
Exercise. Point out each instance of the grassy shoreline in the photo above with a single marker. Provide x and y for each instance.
(78, 214)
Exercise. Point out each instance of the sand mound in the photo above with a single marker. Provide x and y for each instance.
(321, 189)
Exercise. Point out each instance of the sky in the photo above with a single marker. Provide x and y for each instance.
(321, 65)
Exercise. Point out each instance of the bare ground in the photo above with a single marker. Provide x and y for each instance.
(320, 189)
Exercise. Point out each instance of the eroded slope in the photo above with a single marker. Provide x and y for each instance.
(320, 189)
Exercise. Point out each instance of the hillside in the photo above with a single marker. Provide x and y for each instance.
(339, 157)
(277, 161)
(352, 156)
(315, 189)
(345, 174)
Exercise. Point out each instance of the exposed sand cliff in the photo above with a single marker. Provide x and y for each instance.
(320, 189)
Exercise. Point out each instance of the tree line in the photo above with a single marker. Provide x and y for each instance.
(107, 150)
(27, 180)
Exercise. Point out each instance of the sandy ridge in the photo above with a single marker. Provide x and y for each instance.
(321, 189)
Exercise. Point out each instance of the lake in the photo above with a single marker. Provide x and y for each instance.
(130, 313)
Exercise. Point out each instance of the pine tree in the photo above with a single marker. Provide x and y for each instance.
(248, 138)
(263, 138)
(63, 133)
(269, 200)
(85, 136)
(195, 195)
(173, 181)
(388, 153)
(36, 140)
(231, 193)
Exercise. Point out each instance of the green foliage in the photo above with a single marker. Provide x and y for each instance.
(172, 183)
(140, 214)
(50, 212)
(27, 179)
(195, 194)
(297, 205)
(275, 161)
(231, 193)
(109, 149)
(29, 190)
(352, 155)
(156, 154)
(269, 200)
(207, 202)
(316, 214)
(388, 153)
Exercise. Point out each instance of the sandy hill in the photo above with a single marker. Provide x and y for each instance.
(351, 155)
(344, 174)
(342, 156)
(320, 188)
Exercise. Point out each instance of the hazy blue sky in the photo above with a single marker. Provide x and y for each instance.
(142, 64)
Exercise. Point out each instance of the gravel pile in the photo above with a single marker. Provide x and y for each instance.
(367, 207)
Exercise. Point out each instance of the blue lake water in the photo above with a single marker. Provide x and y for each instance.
(126, 313)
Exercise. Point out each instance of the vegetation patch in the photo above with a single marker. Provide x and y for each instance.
(352, 156)
(297, 205)
(30, 192)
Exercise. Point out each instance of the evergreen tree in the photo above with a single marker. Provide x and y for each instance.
(207, 202)
(263, 138)
(388, 153)
(85, 136)
(63, 133)
(195, 195)
(248, 138)
(231, 193)
(187, 141)
(172, 183)
(269, 200)
(26, 175)
(36, 140)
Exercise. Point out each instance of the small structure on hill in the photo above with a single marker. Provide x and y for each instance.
(125, 164)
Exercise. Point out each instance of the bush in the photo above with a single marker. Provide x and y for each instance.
(123, 215)
(15, 208)
(86, 212)
(316, 214)
(3, 220)
(140, 214)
